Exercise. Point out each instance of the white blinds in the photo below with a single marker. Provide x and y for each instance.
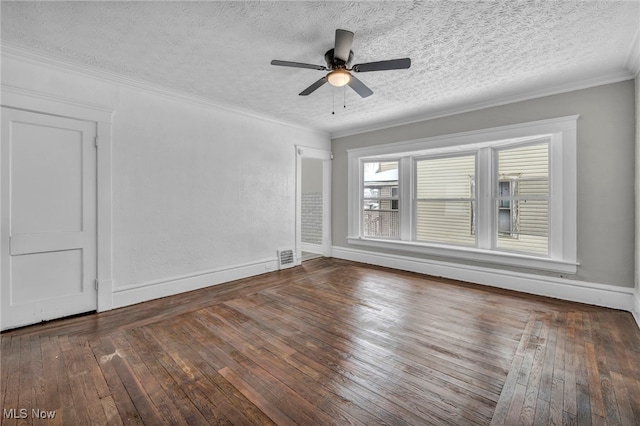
(522, 198)
(445, 200)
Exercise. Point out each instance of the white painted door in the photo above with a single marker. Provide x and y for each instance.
(48, 217)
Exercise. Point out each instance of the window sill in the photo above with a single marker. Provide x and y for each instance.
(469, 253)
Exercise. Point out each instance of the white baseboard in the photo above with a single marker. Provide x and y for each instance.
(312, 248)
(636, 306)
(149, 290)
(560, 288)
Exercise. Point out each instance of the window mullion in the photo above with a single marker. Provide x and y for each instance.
(484, 193)
(405, 177)
(556, 170)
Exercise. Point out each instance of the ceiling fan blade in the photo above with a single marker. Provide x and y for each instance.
(360, 88)
(342, 49)
(298, 65)
(313, 87)
(393, 64)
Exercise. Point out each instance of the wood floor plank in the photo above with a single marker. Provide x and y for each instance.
(548, 363)
(151, 355)
(557, 402)
(595, 388)
(164, 405)
(310, 389)
(515, 406)
(274, 413)
(375, 345)
(10, 358)
(121, 387)
(382, 398)
(264, 381)
(624, 400)
(330, 342)
(633, 391)
(585, 414)
(205, 357)
(105, 351)
(184, 369)
(81, 401)
(570, 360)
(541, 416)
(506, 396)
(25, 390)
(440, 358)
(170, 376)
(539, 350)
(346, 391)
(482, 358)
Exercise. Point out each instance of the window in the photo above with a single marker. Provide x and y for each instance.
(523, 198)
(445, 200)
(380, 199)
(504, 195)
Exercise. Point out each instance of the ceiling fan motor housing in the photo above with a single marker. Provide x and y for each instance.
(335, 63)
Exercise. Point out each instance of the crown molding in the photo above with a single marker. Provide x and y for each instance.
(21, 53)
(610, 78)
(29, 100)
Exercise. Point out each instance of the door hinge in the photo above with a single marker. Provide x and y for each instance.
(95, 141)
(96, 284)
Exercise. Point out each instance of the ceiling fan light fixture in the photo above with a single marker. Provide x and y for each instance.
(339, 77)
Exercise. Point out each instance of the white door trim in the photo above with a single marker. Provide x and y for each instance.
(326, 156)
(42, 103)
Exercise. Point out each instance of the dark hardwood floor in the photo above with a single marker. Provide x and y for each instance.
(330, 342)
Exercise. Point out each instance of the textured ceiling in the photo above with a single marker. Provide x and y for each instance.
(463, 53)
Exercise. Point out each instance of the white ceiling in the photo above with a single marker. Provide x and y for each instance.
(464, 54)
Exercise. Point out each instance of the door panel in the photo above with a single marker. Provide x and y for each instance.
(46, 179)
(35, 274)
(48, 249)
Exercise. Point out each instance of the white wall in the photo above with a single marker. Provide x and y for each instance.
(201, 194)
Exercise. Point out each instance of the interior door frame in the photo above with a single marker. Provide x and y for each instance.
(17, 98)
(326, 157)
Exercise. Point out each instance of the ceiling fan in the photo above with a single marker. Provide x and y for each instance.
(338, 62)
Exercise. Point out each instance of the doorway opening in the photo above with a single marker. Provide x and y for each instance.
(313, 230)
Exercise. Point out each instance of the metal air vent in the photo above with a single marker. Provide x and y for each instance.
(285, 259)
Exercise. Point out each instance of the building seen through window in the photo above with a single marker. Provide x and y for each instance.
(381, 196)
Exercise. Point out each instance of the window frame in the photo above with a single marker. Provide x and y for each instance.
(562, 135)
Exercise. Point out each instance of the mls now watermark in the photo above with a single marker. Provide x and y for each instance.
(23, 413)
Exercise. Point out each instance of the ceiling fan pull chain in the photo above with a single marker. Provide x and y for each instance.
(333, 104)
(344, 96)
